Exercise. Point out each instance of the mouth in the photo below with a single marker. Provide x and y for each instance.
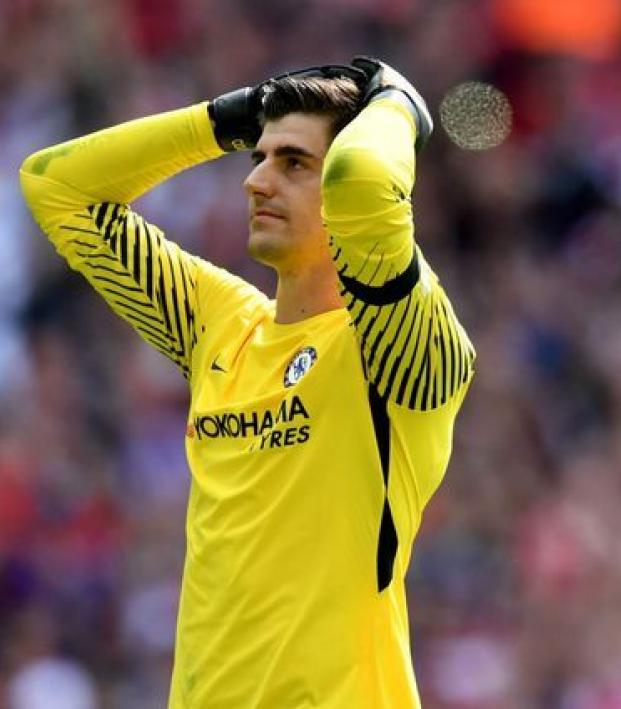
(266, 214)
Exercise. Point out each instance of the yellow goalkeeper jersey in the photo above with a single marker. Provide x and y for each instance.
(313, 446)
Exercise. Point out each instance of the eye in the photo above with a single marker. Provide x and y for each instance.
(257, 158)
(294, 163)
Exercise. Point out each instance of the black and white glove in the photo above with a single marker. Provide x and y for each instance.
(382, 80)
(235, 118)
(236, 115)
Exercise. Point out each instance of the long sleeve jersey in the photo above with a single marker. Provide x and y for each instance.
(313, 446)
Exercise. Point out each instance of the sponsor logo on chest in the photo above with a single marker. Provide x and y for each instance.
(282, 426)
(267, 425)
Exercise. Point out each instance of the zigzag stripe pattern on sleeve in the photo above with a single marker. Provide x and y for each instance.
(413, 347)
(146, 279)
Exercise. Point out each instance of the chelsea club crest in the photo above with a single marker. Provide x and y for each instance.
(299, 365)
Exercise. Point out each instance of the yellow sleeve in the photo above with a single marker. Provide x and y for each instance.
(414, 349)
(79, 191)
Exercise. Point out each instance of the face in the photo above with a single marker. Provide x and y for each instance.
(284, 193)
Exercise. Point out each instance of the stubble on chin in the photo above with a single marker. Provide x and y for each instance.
(268, 249)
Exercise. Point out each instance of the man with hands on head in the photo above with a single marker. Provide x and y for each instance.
(320, 421)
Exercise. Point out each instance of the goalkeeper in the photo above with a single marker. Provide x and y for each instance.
(320, 422)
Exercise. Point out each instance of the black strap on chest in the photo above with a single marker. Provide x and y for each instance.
(387, 541)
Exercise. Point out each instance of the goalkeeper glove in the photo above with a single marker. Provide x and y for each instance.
(382, 80)
(235, 118)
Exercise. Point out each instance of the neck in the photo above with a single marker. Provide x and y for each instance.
(311, 291)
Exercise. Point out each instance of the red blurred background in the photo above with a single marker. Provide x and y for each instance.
(515, 584)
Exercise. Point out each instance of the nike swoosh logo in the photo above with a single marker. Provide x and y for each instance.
(215, 367)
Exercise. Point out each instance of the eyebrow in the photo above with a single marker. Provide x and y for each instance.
(285, 151)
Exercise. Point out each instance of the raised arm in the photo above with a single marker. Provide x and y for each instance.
(414, 349)
(79, 193)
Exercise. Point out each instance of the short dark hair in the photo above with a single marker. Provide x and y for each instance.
(336, 98)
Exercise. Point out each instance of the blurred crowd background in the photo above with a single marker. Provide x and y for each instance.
(515, 584)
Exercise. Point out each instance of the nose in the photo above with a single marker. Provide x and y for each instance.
(260, 181)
